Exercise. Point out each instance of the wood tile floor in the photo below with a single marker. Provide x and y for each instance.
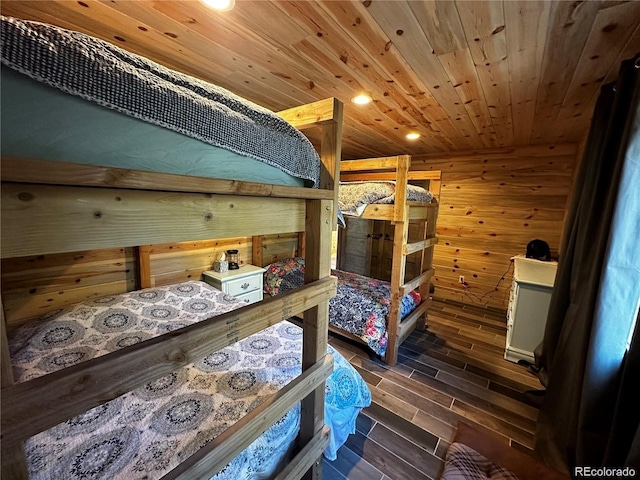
(453, 372)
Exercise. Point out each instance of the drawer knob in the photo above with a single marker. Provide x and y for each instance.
(244, 286)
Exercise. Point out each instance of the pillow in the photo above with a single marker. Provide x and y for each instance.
(284, 275)
(464, 463)
(353, 197)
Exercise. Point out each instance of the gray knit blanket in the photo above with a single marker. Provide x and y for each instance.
(114, 78)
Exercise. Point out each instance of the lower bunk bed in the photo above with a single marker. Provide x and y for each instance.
(149, 431)
(360, 308)
(55, 203)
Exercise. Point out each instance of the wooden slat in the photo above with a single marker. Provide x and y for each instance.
(67, 219)
(526, 33)
(26, 170)
(417, 211)
(398, 266)
(376, 176)
(34, 406)
(5, 360)
(256, 250)
(421, 245)
(399, 23)
(450, 47)
(313, 114)
(19, 310)
(301, 245)
(309, 455)
(144, 267)
(400, 204)
(382, 163)
(484, 22)
(612, 26)
(14, 461)
(410, 322)
(420, 211)
(330, 155)
(214, 456)
(316, 319)
(413, 284)
(569, 27)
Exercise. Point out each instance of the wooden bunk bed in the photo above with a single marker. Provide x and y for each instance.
(51, 207)
(359, 296)
(400, 214)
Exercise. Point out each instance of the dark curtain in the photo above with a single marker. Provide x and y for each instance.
(589, 415)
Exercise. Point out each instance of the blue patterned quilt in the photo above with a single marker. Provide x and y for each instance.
(360, 307)
(147, 432)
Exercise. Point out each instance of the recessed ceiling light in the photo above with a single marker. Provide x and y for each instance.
(413, 136)
(361, 99)
(220, 5)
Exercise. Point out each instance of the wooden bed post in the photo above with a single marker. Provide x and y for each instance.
(330, 154)
(328, 115)
(256, 250)
(316, 320)
(14, 463)
(321, 219)
(399, 260)
(302, 242)
(144, 266)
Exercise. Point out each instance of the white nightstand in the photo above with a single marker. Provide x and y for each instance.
(244, 283)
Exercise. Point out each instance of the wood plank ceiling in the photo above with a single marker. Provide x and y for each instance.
(467, 75)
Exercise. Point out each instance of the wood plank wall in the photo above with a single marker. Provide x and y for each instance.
(493, 202)
(33, 286)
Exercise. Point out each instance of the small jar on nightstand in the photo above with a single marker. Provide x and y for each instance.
(244, 283)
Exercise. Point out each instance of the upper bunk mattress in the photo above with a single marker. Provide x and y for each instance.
(155, 118)
(353, 197)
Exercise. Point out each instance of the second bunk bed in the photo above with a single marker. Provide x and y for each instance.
(378, 312)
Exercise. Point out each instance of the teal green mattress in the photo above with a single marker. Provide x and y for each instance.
(39, 121)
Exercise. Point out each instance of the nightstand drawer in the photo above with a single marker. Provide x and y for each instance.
(244, 285)
(250, 297)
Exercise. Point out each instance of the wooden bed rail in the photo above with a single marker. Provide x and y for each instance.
(328, 110)
(68, 218)
(214, 456)
(29, 170)
(372, 169)
(36, 405)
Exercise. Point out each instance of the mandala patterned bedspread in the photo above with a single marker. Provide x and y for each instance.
(147, 432)
(353, 197)
(360, 307)
(114, 78)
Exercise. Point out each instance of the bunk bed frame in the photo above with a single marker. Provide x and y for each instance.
(53, 207)
(400, 214)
